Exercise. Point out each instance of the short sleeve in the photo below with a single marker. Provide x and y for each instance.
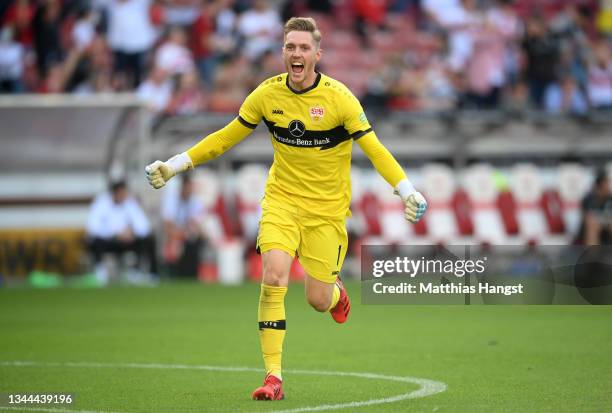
(250, 113)
(353, 115)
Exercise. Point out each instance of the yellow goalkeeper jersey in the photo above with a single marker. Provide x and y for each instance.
(312, 132)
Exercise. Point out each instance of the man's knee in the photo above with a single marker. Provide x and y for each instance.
(273, 276)
(276, 270)
(319, 302)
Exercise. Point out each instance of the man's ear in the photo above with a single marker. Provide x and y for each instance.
(318, 54)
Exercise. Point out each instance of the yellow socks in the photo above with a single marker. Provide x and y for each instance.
(271, 317)
(335, 297)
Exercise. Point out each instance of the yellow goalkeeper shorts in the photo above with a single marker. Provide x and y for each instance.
(319, 243)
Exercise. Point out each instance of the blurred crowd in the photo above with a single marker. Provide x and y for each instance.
(187, 56)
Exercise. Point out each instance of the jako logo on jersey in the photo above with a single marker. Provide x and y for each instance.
(317, 112)
(277, 112)
(296, 128)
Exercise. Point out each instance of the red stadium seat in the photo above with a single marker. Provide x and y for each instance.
(345, 40)
(507, 210)
(370, 208)
(552, 206)
(462, 208)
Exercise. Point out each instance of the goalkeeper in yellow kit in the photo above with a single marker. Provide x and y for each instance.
(313, 121)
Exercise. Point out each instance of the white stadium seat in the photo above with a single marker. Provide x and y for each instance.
(206, 188)
(439, 187)
(527, 189)
(573, 181)
(478, 181)
(250, 186)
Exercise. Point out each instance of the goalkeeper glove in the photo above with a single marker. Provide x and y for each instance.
(415, 204)
(158, 173)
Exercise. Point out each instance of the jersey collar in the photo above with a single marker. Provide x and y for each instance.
(308, 89)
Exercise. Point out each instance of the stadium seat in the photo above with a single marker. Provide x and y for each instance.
(462, 208)
(370, 207)
(341, 39)
(207, 188)
(573, 182)
(385, 42)
(507, 210)
(527, 190)
(369, 61)
(552, 207)
(439, 187)
(478, 182)
(250, 185)
(356, 224)
(394, 228)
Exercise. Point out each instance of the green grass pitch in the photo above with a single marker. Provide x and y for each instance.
(492, 358)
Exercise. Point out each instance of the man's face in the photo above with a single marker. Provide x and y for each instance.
(300, 55)
(120, 195)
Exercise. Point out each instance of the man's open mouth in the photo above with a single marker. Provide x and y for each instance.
(297, 67)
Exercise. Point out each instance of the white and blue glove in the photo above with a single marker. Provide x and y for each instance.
(158, 173)
(415, 204)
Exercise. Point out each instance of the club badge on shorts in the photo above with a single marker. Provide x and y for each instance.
(317, 112)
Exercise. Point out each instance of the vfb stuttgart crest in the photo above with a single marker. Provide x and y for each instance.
(317, 112)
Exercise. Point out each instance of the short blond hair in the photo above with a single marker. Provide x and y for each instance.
(304, 24)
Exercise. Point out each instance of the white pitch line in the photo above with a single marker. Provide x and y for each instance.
(427, 387)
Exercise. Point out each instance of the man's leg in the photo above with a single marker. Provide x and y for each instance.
(146, 252)
(98, 247)
(271, 313)
(277, 241)
(271, 318)
(322, 251)
(321, 295)
(324, 296)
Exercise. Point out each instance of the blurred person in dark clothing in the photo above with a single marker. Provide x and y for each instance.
(542, 59)
(570, 26)
(46, 26)
(596, 227)
(292, 8)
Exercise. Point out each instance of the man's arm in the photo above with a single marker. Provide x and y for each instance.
(392, 172)
(381, 158)
(95, 223)
(215, 144)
